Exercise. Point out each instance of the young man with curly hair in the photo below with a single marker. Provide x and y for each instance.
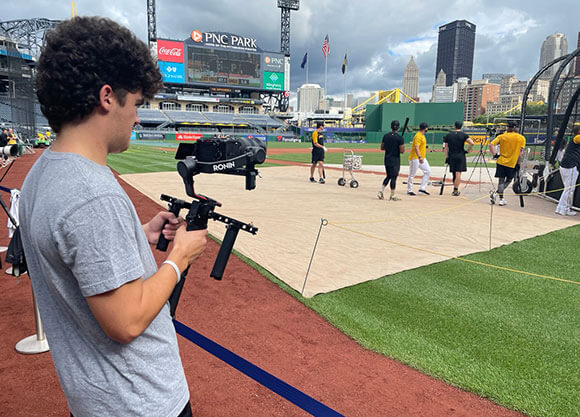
(102, 299)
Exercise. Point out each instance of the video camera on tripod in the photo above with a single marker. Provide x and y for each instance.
(216, 155)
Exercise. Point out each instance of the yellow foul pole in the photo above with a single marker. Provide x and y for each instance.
(73, 7)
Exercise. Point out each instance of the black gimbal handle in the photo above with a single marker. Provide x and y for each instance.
(226, 247)
(175, 206)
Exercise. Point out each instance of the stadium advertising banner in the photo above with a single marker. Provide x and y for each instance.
(170, 51)
(273, 81)
(171, 58)
(188, 136)
(172, 72)
(223, 62)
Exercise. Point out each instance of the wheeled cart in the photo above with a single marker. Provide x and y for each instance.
(350, 163)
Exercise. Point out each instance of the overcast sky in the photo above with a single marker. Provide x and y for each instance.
(379, 36)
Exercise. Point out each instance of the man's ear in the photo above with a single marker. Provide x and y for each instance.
(106, 97)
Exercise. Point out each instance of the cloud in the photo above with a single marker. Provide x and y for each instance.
(378, 35)
(415, 46)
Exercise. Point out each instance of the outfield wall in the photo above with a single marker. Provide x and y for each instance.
(378, 118)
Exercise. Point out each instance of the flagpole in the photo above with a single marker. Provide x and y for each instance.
(307, 66)
(325, 71)
(345, 70)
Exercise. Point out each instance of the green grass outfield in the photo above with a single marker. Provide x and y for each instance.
(164, 160)
(513, 338)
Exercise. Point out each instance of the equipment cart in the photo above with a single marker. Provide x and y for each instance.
(350, 163)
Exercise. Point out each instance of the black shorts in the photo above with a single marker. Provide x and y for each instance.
(501, 171)
(457, 163)
(392, 170)
(317, 155)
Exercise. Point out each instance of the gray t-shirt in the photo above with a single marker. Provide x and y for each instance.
(82, 237)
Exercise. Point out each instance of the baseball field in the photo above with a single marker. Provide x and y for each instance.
(399, 309)
(504, 326)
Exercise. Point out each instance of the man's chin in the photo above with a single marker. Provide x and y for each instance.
(119, 148)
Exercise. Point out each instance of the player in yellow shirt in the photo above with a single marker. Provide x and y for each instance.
(511, 146)
(11, 137)
(418, 160)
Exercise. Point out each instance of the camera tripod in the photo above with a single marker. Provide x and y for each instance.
(480, 161)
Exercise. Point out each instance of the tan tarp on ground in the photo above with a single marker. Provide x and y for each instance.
(287, 210)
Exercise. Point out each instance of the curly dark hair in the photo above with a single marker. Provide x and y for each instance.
(83, 54)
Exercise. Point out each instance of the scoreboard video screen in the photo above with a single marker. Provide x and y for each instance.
(214, 66)
(222, 60)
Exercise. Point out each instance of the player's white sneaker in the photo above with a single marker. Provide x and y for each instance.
(502, 202)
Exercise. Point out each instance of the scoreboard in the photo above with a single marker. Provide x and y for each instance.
(224, 61)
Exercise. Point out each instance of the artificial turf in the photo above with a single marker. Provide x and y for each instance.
(504, 335)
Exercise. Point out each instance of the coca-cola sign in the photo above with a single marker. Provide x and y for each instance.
(170, 51)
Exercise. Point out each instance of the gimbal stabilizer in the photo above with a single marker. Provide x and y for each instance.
(201, 209)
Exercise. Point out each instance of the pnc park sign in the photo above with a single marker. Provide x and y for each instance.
(224, 40)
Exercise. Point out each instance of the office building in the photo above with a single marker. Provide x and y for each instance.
(496, 78)
(476, 96)
(309, 98)
(553, 47)
(411, 79)
(455, 50)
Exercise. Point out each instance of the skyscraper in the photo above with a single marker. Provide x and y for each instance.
(309, 97)
(455, 50)
(411, 79)
(553, 47)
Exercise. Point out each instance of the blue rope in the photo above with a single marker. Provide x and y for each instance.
(298, 398)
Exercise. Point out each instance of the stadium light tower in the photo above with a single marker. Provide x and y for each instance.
(151, 22)
(286, 6)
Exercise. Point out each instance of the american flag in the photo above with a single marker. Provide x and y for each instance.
(325, 47)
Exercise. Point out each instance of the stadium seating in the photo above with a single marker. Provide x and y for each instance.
(151, 116)
(180, 117)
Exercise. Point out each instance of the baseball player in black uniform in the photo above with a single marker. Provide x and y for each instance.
(318, 151)
(454, 145)
(569, 168)
(394, 145)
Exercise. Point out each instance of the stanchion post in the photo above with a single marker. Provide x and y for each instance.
(36, 343)
(323, 222)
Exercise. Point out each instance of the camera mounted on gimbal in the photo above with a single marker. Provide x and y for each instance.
(491, 131)
(216, 155)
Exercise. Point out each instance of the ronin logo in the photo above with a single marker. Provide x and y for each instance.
(197, 36)
(224, 166)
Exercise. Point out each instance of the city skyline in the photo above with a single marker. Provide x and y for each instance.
(508, 37)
